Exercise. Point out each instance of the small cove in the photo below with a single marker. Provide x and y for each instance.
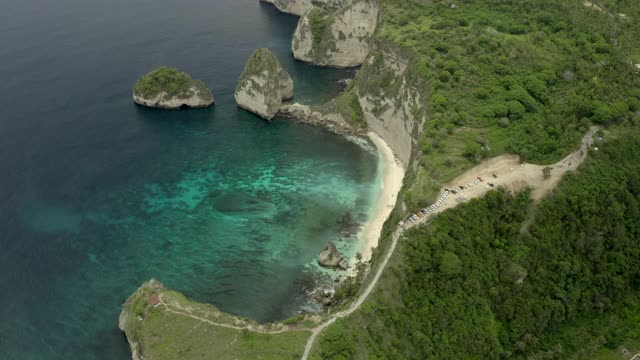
(98, 195)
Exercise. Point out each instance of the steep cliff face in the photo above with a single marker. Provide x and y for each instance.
(337, 38)
(390, 97)
(263, 85)
(299, 7)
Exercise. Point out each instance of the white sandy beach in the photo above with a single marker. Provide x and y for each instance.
(392, 176)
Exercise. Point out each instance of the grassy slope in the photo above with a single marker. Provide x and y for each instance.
(171, 336)
(168, 335)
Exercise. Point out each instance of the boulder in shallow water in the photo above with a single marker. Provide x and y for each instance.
(332, 258)
(264, 85)
(324, 296)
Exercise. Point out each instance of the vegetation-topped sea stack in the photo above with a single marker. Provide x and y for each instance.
(168, 88)
(264, 85)
(163, 324)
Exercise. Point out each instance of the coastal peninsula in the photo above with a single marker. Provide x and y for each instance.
(169, 88)
(164, 324)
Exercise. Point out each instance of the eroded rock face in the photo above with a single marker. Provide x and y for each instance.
(299, 7)
(332, 258)
(391, 100)
(338, 38)
(162, 101)
(263, 85)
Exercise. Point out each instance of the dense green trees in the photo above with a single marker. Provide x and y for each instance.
(530, 76)
(500, 278)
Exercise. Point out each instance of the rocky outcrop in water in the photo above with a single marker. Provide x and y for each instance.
(299, 7)
(338, 38)
(168, 88)
(264, 85)
(332, 258)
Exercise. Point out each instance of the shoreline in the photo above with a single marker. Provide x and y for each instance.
(392, 179)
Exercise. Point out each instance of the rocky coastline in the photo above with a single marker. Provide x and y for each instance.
(331, 122)
(163, 101)
(336, 37)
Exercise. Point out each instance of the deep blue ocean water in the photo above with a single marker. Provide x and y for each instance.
(98, 195)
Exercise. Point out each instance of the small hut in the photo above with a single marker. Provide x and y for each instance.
(154, 300)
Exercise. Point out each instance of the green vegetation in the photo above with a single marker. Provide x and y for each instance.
(477, 283)
(262, 59)
(173, 82)
(320, 21)
(526, 77)
(179, 328)
(347, 105)
(171, 336)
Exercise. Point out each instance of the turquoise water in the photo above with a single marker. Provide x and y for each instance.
(98, 195)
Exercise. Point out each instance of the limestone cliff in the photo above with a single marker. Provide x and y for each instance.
(264, 85)
(169, 88)
(339, 38)
(299, 7)
(392, 100)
